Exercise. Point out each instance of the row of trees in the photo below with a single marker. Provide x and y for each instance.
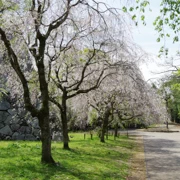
(170, 89)
(167, 25)
(57, 53)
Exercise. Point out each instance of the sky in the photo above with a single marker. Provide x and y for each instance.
(146, 36)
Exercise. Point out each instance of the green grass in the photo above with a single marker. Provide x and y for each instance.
(87, 160)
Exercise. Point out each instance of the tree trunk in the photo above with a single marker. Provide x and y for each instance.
(116, 130)
(64, 122)
(167, 109)
(167, 124)
(105, 124)
(65, 131)
(43, 113)
(46, 140)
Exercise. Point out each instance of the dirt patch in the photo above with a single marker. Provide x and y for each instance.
(138, 165)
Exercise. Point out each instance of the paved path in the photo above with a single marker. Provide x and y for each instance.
(162, 155)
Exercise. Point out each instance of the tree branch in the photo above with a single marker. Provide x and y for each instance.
(15, 64)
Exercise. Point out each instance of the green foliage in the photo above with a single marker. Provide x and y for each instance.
(138, 9)
(169, 17)
(176, 39)
(174, 96)
(98, 131)
(86, 50)
(131, 8)
(158, 40)
(6, 7)
(33, 81)
(1, 4)
(93, 115)
(124, 9)
(142, 17)
(134, 17)
(2, 92)
(154, 86)
(9, 5)
(88, 159)
(27, 4)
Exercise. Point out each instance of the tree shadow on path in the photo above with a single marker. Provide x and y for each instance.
(162, 158)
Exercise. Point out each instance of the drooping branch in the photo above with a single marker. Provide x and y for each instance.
(15, 64)
(60, 20)
(56, 103)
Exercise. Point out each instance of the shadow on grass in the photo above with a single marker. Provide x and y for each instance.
(21, 160)
(30, 171)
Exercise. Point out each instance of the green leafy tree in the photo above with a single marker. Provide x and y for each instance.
(169, 17)
(173, 96)
(167, 24)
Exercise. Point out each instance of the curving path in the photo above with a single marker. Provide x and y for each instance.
(162, 154)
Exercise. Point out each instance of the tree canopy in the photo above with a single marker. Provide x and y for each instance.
(55, 50)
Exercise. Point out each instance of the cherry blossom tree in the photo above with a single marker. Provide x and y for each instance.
(128, 97)
(83, 55)
(39, 33)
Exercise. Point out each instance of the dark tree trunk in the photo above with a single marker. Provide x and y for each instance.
(43, 113)
(167, 108)
(167, 124)
(116, 130)
(64, 122)
(65, 131)
(46, 140)
(105, 124)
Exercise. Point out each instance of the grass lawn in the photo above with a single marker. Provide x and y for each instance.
(87, 160)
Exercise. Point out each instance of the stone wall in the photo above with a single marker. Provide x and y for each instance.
(18, 125)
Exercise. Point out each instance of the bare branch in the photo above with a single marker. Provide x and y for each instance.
(14, 63)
